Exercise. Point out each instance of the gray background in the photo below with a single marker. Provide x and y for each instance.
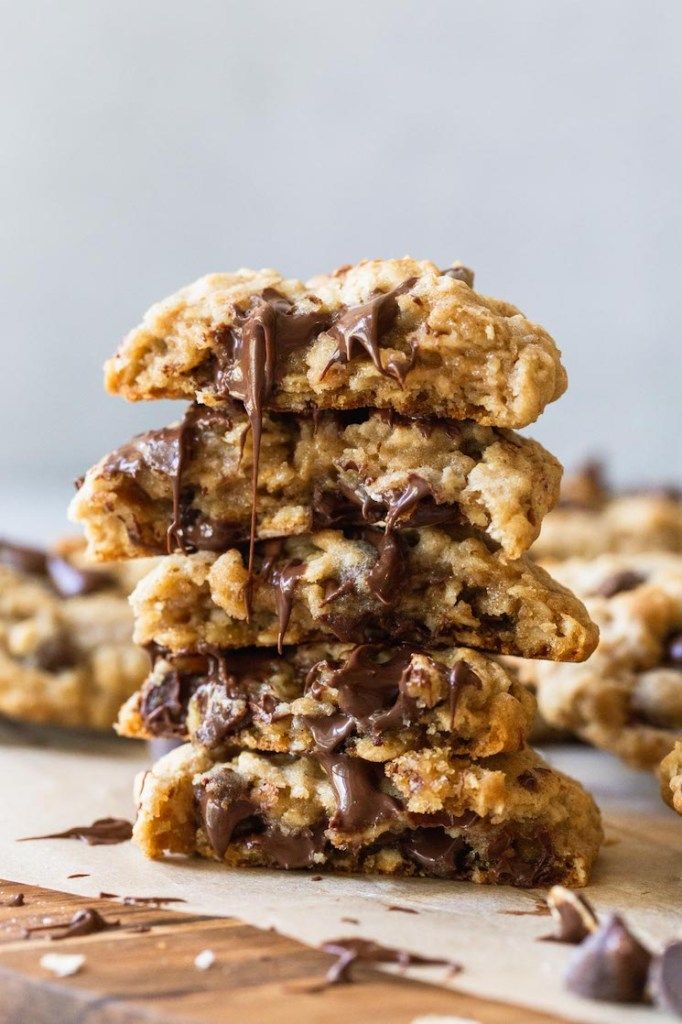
(145, 143)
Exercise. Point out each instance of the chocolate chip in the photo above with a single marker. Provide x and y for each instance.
(665, 978)
(673, 649)
(70, 581)
(619, 583)
(573, 915)
(23, 559)
(460, 273)
(611, 965)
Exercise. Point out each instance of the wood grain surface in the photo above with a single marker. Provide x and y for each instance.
(258, 977)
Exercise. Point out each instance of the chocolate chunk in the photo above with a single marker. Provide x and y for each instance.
(416, 506)
(439, 854)
(103, 832)
(15, 901)
(289, 851)
(572, 914)
(361, 803)
(54, 654)
(610, 965)
(70, 581)
(665, 978)
(673, 650)
(223, 804)
(31, 561)
(84, 922)
(363, 951)
(619, 583)
(460, 273)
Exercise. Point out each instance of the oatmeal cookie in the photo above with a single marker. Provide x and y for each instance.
(670, 775)
(66, 651)
(628, 697)
(591, 519)
(397, 333)
(510, 819)
(369, 701)
(189, 486)
(416, 586)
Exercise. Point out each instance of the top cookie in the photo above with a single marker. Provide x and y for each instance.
(398, 334)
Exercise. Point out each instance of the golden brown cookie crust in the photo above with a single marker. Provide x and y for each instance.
(455, 592)
(312, 473)
(459, 354)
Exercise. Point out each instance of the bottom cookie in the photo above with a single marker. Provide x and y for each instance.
(509, 820)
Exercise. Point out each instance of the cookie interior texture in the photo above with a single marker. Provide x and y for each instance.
(509, 819)
(416, 586)
(191, 483)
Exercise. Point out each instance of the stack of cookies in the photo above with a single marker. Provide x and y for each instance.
(346, 509)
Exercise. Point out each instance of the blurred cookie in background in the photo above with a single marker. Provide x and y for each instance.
(670, 777)
(592, 519)
(66, 651)
(627, 698)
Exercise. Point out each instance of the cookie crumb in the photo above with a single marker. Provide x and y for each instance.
(204, 960)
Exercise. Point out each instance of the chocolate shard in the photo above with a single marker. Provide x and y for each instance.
(70, 581)
(572, 914)
(103, 832)
(665, 978)
(611, 965)
(32, 561)
(363, 951)
(460, 273)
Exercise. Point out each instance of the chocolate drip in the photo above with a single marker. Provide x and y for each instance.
(364, 326)
(103, 832)
(330, 731)
(460, 677)
(363, 951)
(285, 580)
(248, 367)
(361, 803)
(222, 803)
(439, 854)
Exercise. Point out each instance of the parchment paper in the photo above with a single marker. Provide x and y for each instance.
(47, 788)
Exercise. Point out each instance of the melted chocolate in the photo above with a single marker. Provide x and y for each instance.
(103, 832)
(222, 804)
(284, 580)
(291, 852)
(437, 853)
(363, 951)
(360, 801)
(386, 575)
(84, 922)
(416, 506)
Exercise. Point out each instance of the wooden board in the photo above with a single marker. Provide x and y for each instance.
(258, 977)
